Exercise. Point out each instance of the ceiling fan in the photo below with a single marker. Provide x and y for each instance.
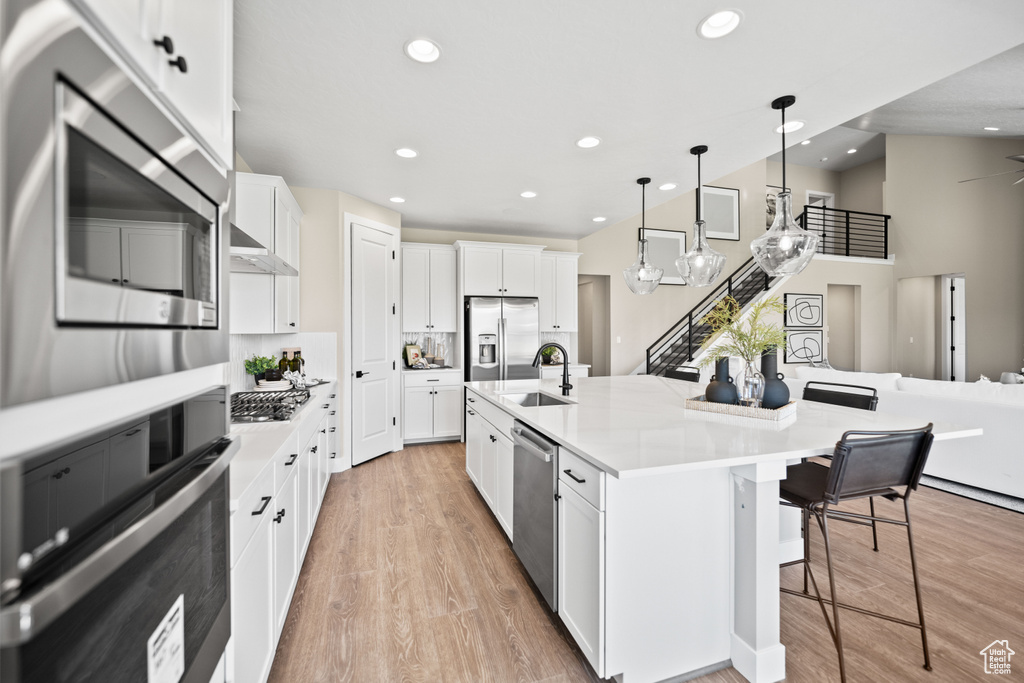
(1015, 157)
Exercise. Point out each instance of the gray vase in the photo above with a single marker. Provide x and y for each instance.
(776, 393)
(722, 389)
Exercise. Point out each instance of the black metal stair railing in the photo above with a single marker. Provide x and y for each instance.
(684, 339)
(848, 233)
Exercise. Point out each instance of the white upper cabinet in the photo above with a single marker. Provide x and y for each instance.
(499, 269)
(428, 288)
(558, 293)
(262, 303)
(182, 49)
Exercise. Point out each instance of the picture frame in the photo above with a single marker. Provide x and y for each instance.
(804, 310)
(663, 248)
(412, 354)
(804, 346)
(721, 212)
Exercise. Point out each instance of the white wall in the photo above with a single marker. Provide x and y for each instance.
(940, 225)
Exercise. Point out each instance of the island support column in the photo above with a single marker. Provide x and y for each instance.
(756, 650)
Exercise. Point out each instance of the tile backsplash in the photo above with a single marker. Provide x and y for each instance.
(319, 350)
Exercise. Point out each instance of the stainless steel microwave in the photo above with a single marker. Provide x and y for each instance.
(114, 230)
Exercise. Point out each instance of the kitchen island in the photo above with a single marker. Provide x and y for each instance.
(668, 558)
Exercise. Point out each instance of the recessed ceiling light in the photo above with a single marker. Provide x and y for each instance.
(991, 128)
(667, 186)
(422, 50)
(397, 200)
(406, 153)
(588, 142)
(823, 159)
(806, 142)
(528, 194)
(791, 126)
(719, 24)
(600, 219)
(852, 151)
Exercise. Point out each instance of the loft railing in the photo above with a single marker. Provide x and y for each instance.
(848, 233)
(684, 339)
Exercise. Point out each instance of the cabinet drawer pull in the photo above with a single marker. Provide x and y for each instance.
(181, 65)
(471, 400)
(295, 456)
(60, 473)
(333, 396)
(332, 412)
(166, 43)
(574, 477)
(470, 411)
(433, 380)
(313, 449)
(280, 516)
(333, 455)
(326, 406)
(266, 502)
(134, 432)
(332, 429)
(493, 438)
(323, 431)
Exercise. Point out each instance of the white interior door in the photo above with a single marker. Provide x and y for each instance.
(375, 346)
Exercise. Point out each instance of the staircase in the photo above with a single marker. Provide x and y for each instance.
(682, 343)
(842, 233)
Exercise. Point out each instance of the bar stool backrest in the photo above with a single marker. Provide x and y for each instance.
(686, 373)
(849, 395)
(867, 463)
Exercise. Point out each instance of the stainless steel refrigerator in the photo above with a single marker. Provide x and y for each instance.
(502, 337)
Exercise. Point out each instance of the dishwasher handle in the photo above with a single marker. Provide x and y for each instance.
(520, 438)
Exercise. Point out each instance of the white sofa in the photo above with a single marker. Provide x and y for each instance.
(993, 461)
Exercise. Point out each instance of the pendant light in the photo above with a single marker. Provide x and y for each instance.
(643, 277)
(701, 265)
(786, 248)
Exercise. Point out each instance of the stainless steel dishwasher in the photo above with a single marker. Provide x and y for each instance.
(535, 508)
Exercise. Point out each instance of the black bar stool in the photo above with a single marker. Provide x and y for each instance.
(864, 464)
(851, 396)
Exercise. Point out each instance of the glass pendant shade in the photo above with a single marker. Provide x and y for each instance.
(643, 277)
(701, 265)
(786, 248)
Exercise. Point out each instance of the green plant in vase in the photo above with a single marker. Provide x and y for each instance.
(258, 365)
(746, 337)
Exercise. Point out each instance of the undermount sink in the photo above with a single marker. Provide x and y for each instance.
(535, 398)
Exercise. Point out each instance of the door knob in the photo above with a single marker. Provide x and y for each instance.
(360, 373)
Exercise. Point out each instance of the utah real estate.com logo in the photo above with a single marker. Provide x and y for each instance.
(997, 657)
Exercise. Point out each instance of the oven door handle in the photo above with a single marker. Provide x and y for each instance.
(22, 620)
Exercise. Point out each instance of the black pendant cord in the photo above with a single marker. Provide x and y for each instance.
(642, 182)
(698, 188)
(783, 149)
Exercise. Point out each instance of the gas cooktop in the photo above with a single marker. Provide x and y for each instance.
(266, 406)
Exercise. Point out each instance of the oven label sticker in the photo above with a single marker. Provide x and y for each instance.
(165, 650)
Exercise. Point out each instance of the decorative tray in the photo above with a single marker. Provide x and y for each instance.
(775, 415)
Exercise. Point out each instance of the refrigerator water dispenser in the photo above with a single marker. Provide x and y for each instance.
(487, 345)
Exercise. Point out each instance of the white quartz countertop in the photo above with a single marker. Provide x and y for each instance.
(259, 441)
(638, 425)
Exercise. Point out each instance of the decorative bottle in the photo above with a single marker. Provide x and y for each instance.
(722, 389)
(751, 385)
(776, 393)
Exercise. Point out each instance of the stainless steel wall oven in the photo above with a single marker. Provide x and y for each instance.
(114, 230)
(115, 558)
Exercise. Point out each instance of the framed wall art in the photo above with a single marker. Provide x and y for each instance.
(721, 212)
(804, 346)
(663, 248)
(804, 310)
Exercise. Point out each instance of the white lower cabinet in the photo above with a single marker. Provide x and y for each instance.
(581, 573)
(474, 444)
(431, 405)
(253, 618)
(503, 488)
(489, 463)
(270, 532)
(286, 546)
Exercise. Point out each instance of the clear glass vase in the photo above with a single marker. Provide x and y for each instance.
(751, 385)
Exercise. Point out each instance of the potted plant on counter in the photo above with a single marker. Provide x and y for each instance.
(747, 337)
(257, 366)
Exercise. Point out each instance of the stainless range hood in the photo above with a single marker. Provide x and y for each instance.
(249, 256)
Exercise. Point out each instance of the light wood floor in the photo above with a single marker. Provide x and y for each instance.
(409, 578)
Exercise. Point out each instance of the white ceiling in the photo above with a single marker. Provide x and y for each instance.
(327, 95)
